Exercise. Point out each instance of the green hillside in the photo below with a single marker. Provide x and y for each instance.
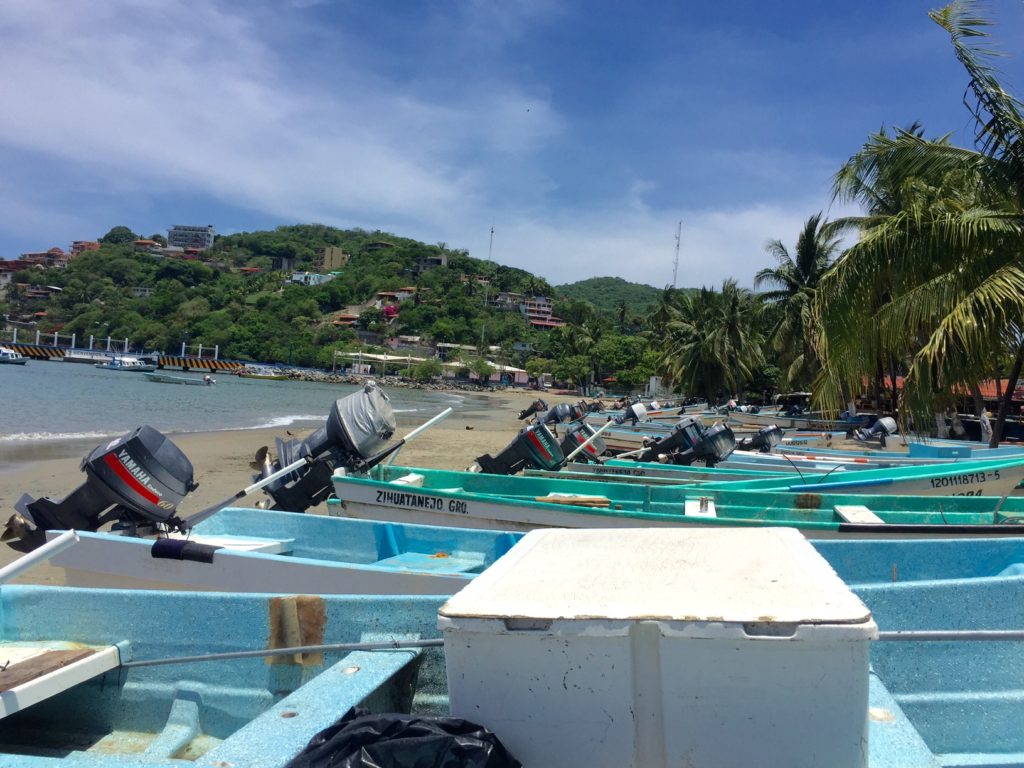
(605, 293)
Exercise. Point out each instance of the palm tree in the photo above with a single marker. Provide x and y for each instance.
(711, 343)
(793, 283)
(948, 256)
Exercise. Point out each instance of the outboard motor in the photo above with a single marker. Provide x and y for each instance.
(357, 429)
(534, 447)
(691, 442)
(561, 413)
(576, 434)
(137, 480)
(881, 429)
(634, 413)
(535, 407)
(595, 406)
(763, 440)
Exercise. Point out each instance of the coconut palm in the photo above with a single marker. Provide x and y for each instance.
(948, 257)
(711, 341)
(793, 283)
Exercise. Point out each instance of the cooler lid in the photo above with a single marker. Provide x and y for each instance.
(730, 575)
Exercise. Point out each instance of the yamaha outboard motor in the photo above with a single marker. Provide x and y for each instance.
(138, 480)
(763, 440)
(576, 434)
(690, 442)
(535, 407)
(533, 447)
(357, 429)
(881, 429)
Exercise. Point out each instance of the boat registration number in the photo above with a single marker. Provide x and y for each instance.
(415, 501)
(967, 478)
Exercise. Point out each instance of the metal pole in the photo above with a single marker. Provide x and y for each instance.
(942, 635)
(422, 427)
(32, 559)
(393, 645)
(589, 440)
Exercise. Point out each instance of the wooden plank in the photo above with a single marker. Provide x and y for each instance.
(578, 501)
(38, 665)
(63, 672)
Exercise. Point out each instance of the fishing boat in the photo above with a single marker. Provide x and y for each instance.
(474, 500)
(166, 378)
(261, 372)
(252, 550)
(10, 357)
(887, 654)
(124, 363)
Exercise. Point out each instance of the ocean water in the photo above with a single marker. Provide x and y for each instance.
(52, 409)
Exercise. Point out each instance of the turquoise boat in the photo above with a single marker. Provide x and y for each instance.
(109, 700)
(253, 550)
(94, 710)
(501, 502)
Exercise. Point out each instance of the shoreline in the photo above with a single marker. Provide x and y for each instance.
(221, 459)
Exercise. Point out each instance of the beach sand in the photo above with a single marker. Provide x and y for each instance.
(221, 460)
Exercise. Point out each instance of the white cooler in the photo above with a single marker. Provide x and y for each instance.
(663, 647)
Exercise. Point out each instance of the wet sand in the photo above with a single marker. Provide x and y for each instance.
(221, 460)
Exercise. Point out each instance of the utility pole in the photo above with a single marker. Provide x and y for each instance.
(675, 262)
(483, 323)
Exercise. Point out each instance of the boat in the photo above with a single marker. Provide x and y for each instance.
(127, 364)
(10, 357)
(855, 654)
(261, 372)
(72, 697)
(514, 503)
(166, 378)
(253, 550)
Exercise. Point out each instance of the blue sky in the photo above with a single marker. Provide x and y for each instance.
(582, 131)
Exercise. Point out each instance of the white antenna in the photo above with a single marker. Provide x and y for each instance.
(675, 262)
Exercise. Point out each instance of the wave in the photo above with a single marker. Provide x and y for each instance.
(26, 437)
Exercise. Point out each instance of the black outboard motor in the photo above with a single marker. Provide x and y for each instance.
(534, 447)
(576, 434)
(535, 407)
(632, 414)
(357, 429)
(562, 413)
(881, 429)
(138, 480)
(763, 440)
(691, 442)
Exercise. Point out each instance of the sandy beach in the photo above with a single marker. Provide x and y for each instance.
(222, 460)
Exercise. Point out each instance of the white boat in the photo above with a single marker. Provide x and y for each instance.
(125, 363)
(10, 357)
(164, 378)
(253, 550)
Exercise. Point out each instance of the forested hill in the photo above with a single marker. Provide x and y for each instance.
(606, 293)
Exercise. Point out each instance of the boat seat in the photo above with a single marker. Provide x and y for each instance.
(439, 562)
(856, 513)
(240, 543)
(412, 479)
(695, 508)
(34, 671)
(285, 729)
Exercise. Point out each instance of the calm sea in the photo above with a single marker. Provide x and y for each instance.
(53, 409)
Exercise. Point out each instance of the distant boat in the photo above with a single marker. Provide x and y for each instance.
(124, 363)
(262, 372)
(163, 378)
(10, 357)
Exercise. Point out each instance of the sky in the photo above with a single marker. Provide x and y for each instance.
(582, 132)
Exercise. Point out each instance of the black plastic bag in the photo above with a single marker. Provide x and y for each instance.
(364, 740)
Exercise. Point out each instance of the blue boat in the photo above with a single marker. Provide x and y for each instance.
(953, 703)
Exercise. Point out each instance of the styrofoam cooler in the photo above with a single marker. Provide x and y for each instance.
(663, 647)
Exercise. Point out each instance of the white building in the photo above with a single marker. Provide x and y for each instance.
(184, 236)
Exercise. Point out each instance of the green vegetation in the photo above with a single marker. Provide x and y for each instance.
(932, 288)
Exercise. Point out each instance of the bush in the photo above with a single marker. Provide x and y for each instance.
(426, 370)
